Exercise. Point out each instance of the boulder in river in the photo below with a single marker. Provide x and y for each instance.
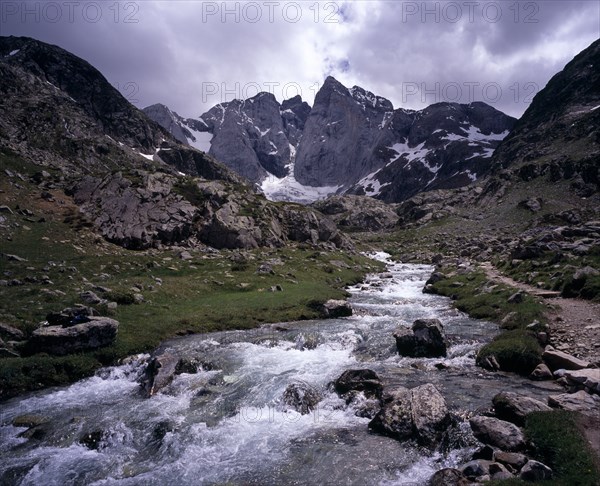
(302, 397)
(424, 340)
(420, 413)
(514, 408)
(95, 333)
(497, 433)
(159, 373)
(363, 380)
(336, 308)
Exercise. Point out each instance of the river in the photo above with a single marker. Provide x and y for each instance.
(227, 423)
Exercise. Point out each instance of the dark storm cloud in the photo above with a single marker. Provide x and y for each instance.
(191, 55)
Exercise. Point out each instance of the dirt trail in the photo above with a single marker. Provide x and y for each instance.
(574, 323)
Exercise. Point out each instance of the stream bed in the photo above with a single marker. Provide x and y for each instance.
(227, 423)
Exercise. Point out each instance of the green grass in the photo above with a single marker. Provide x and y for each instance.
(195, 297)
(516, 349)
(211, 292)
(554, 271)
(559, 443)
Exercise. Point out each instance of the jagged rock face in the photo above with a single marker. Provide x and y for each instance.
(294, 113)
(170, 121)
(558, 136)
(255, 137)
(82, 83)
(135, 217)
(351, 141)
(256, 147)
(567, 109)
(339, 135)
(446, 145)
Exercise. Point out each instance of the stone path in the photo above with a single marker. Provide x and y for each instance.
(574, 323)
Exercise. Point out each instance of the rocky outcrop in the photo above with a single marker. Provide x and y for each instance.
(419, 413)
(357, 140)
(515, 408)
(135, 217)
(425, 339)
(302, 397)
(359, 213)
(497, 433)
(97, 332)
(170, 121)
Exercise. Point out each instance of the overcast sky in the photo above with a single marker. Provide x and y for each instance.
(192, 55)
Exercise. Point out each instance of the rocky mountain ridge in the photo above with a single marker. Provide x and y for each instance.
(351, 141)
(135, 184)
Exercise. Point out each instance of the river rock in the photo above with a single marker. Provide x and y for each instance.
(58, 340)
(558, 359)
(580, 401)
(336, 308)
(420, 413)
(426, 339)
(541, 373)
(363, 380)
(588, 378)
(513, 460)
(301, 397)
(480, 468)
(449, 477)
(535, 471)
(498, 433)
(514, 408)
(159, 373)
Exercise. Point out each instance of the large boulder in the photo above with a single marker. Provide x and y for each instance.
(10, 333)
(58, 340)
(362, 380)
(420, 413)
(301, 397)
(514, 408)
(557, 360)
(535, 471)
(481, 469)
(336, 308)
(580, 401)
(588, 379)
(159, 373)
(424, 340)
(449, 477)
(497, 433)
(541, 373)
